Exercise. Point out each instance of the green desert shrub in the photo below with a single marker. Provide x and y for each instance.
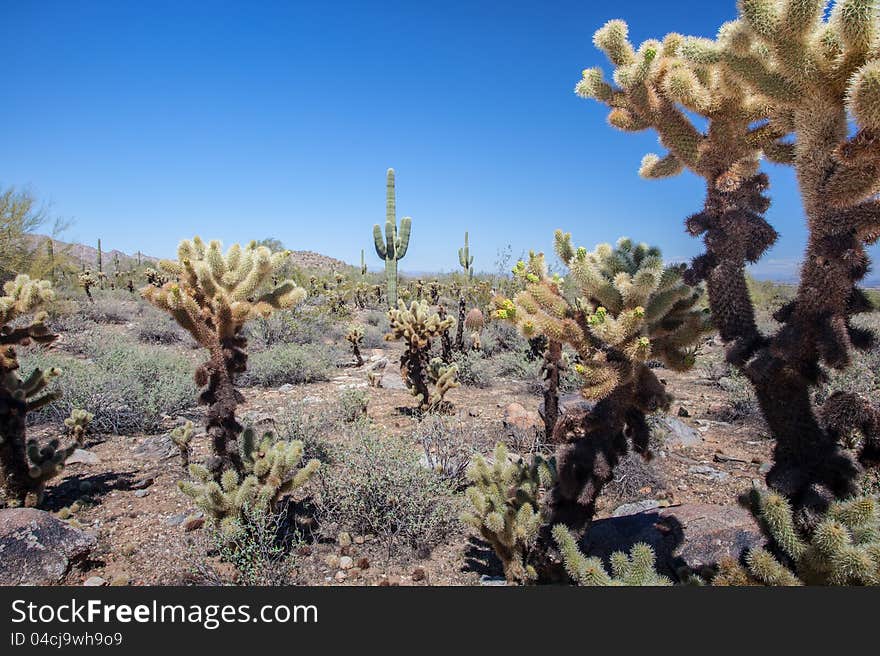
(352, 404)
(474, 370)
(309, 425)
(380, 487)
(500, 337)
(154, 327)
(289, 363)
(127, 387)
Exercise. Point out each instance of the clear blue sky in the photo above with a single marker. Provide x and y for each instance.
(146, 122)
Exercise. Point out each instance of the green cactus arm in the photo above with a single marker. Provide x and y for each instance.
(402, 244)
(379, 242)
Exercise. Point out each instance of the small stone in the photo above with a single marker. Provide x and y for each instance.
(682, 412)
(94, 582)
(765, 468)
(344, 539)
(83, 457)
(419, 574)
(359, 539)
(128, 549)
(633, 508)
(140, 494)
(709, 472)
(120, 580)
(475, 412)
(346, 562)
(143, 484)
(341, 576)
(363, 563)
(332, 561)
(485, 579)
(193, 523)
(176, 520)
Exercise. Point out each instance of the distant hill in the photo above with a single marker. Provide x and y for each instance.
(88, 255)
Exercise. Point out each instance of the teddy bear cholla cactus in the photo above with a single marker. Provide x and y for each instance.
(27, 465)
(270, 470)
(818, 74)
(636, 569)
(628, 308)
(417, 325)
(505, 507)
(842, 549)
(213, 296)
(354, 337)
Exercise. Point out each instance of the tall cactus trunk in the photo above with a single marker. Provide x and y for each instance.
(17, 484)
(551, 367)
(391, 282)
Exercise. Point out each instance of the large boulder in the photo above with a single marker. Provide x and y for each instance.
(37, 548)
(694, 534)
(572, 405)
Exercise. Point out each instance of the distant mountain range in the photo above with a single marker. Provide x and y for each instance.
(88, 255)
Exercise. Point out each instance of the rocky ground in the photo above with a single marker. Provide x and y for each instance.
(147, 533)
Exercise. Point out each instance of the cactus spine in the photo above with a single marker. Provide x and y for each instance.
(393, 245)
(465, 259)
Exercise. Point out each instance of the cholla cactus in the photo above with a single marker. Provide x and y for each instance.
(354, 337)
(215, 296)
(629, 308)
(182, 438)
(636, 569)
(27, 465)
(418, 326)
(393, 246)
(474, 322)
(271, 470)
(809, 72)
(154, 278)
(504, 497)
(87, 280)
(842, 549)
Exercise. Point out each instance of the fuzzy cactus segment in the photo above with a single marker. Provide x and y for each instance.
(26, 464)
(617, 308)
(505, 507)
(417, 325)
(212, 295)
(272, 469)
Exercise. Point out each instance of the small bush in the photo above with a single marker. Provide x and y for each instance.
(352, 404)
(741, 398)
(262, 550)
(128, 388)
(501, 337)
(448, 444)
(379, 487)
(296, 423)
(289, 363)
(155, 327)
(474, 370)
(110, 310)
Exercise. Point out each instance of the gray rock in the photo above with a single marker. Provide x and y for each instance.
(637, 506)
(392, 380)
(676, 433)
(284, 389)
(487, 580)
(377, 363)
(696, 535)
(81, 456)
(709, 472)
(570, 404)
(37, 548)
(140, 494)
(157, 447)
(94, 582)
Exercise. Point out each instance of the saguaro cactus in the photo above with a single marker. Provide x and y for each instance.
(215, 296)
(465, 259)
(100, 262)
(393, 245)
